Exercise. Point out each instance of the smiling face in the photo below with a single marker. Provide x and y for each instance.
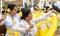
(26, 14)
(14, 11)
(29, 17)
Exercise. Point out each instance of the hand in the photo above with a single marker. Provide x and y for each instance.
(54, 11)
(48, 13)
(31, 26)
(3, 17)
(28, 30)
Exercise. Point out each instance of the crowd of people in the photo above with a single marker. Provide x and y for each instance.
(25, 22)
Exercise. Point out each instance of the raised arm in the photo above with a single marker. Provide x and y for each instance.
(44, 17)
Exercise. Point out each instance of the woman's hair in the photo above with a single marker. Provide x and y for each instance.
(47, 7)
(3, 11)
(11, 6)
(25, 12)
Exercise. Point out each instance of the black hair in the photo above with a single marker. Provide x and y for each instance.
(47, 7)
(18, 10)
(3, 11)
(11, 6)
(25, 12)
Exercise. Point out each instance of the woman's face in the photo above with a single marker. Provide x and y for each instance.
(29, 17)
(36, 8)
(14, 11)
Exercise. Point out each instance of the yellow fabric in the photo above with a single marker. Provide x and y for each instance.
(37, 14)
(50, 19)
(44, 22)
(20, 14)
(13, 32)
(43, 32)
(53, 26)
(47, 28)
(40, 32)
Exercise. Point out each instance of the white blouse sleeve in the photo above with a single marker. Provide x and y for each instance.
(18, 27)
(44, 17)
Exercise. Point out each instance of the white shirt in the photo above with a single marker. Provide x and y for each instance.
(23, 25)
(58, 4)
(50, 5)
(8, 21)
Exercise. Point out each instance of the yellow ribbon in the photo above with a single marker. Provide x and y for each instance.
(20, 14)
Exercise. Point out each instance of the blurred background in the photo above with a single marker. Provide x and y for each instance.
(31, 3)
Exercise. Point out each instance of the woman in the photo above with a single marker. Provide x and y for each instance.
(27, 25)
(10, 20)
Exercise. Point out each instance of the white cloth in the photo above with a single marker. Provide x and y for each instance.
(32, 9)
(50, 5)
(8, 23)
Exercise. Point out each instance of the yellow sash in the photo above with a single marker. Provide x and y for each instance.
(45, 30)
(14, 33)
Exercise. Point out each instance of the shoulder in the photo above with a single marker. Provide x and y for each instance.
(17, 15)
